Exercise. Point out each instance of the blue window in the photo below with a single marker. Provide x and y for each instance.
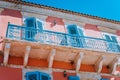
(32, 75)
(74, 38)
(31, 22)
(36, 75)
(30, 25)
(114, 39)
(112, 43)
(73, 78)
(80, 32)
(33, 26)
(39, 25)
(72, 29)
(104, 79)
(107, 37)
(44, 76)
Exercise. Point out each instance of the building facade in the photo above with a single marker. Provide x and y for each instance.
(44, 43)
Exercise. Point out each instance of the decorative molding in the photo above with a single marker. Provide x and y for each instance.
(6, 53)
(99, 64)
(114, 64)
(26, 56)
(51, 58)
(78, 60)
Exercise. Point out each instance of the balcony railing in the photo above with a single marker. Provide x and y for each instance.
(61, 39)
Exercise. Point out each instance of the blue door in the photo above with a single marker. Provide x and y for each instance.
(112, 44)
(74, 36)
(33, 26)
(30, 28)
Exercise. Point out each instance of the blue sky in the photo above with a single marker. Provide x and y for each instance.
(109, 9)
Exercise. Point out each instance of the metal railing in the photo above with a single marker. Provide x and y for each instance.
(56, 38)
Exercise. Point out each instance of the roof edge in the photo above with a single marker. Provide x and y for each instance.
(62, 10)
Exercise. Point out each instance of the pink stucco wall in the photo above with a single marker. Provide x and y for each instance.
(60, 75)
(111, 77)
(8, 15)
(118, 34)
(58, 27)
(92, 31)
(10, 73)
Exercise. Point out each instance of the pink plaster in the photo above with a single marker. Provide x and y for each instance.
(92, 31)
(58, 27)
(118, 33)
(8, 15)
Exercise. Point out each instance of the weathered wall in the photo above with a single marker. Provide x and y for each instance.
(60, 75)
(92, 31)
(10, 73)
(12, 16)
(54, 24)
(8, 15)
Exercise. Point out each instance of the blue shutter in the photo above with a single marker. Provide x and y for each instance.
(114, 39)
(30, 25)
(39, 25)
(115, 44)
(74, 38)
(44, 76)
(73, 78)
(72, 29)
(32, 75)
(81, 39)
(107, 37)
(104, 79)
(109, 44)
(112, 43)
(80, 32)
(31, 22)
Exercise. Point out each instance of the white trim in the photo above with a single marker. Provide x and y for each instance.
(78, 61)
(99, 64)
(66, 16)
(51, 58)
(26, 56)
(6, 53)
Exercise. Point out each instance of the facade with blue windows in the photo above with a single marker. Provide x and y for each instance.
(43, 43)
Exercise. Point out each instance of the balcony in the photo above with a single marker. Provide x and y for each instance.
(15, 32)
(54, 50)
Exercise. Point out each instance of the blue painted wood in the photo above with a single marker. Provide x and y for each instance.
(104, 79)
(44, 76)
(74, 40)
(39, 25)
(30, 23)
(82, 40)
(36, 75)
(107, 37)
(114, 39)
(72, 29)
(73, 78)
(32, 75)
(7, 29)
(112, 43)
